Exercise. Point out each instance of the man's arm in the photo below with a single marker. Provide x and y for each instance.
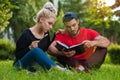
(52, 50)
(99, 41)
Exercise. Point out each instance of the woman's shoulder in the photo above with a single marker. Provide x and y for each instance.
(27, 30)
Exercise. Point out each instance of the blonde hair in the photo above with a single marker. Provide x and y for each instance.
(47, 11)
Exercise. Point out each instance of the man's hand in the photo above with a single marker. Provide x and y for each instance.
(88, 43)
(68, 54)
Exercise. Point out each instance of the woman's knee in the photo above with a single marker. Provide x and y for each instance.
(37, 51)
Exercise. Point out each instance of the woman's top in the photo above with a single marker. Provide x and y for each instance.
(22, 44)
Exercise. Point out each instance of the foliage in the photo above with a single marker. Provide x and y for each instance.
(76, 6)
(23, 14)
(58, 25)
(107, 59)
(5, 14)
(98, 14)
(114, 52)
(93, 14)
(6, 49)
(60, 7)
(107, 72)
(114, 32)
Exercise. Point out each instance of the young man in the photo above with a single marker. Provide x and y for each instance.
(95, 45)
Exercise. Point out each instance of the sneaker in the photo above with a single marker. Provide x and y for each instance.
(82, 68)
(64, 69)
(60, 68)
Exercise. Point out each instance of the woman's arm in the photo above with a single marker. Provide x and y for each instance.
(22, 45)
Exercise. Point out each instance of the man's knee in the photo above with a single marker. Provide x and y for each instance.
(97, 59)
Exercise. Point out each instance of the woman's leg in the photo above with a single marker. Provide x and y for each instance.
(38, 55)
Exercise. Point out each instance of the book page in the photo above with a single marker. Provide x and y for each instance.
(79, 48)
(76, 45)
(62, 44)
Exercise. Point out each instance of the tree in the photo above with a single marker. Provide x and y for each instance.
(117, 4)
(76, 6)
(5, 14)
(114, 32)
(99, 16)
(58, 24)
(23, 13)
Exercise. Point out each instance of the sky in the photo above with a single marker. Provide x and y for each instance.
(108, 3)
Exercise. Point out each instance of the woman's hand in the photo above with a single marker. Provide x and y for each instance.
(34, 44)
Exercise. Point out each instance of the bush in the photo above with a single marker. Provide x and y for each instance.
(7, 49)
(114, 52)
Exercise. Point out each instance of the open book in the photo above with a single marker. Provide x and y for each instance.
(79, 48)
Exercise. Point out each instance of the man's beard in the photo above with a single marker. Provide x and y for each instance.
(74, 33)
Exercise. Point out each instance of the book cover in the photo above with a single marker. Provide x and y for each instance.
(79, 48)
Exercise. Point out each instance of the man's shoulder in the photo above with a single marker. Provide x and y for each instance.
(83, 29)
(61, 32)
(61, 36)
(86, 29)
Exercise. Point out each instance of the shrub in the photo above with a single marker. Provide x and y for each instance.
(114, 52)
(7, 49)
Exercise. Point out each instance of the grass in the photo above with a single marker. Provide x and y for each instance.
(106, 72)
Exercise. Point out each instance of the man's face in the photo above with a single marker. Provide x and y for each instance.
(72, 27)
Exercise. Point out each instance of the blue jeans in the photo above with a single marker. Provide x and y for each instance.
(38, 55)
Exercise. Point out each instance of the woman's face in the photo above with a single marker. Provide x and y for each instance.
(47, 24)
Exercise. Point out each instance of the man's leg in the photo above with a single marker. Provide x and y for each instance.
(73, 64)
(96, 60)
(67, 62)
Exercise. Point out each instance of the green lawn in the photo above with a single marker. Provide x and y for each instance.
(107, 72)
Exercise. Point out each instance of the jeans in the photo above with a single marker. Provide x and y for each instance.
(38, 55)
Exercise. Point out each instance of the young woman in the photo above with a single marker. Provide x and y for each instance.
(33, 42)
